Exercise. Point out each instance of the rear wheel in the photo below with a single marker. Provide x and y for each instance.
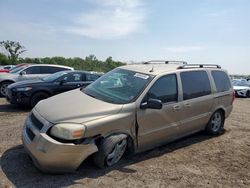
(216, 123)
(38, 97)
(248, 94)
(3, 87)
(111, 150)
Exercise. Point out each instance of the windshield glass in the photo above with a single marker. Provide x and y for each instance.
(118, 86)
(54, 76)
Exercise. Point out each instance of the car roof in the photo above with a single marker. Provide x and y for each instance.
(156, 69)
(153, 69)
(82, 71)
(51, 65)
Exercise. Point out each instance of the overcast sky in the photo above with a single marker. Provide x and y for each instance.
(197, 31)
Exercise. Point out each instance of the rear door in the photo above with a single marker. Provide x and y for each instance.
(159, 126)
(197, 101)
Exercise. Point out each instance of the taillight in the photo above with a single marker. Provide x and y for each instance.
(233, 97)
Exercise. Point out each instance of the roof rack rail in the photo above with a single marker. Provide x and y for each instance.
(164, 62)
(189, 66)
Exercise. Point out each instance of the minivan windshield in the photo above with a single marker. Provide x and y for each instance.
(118, 86)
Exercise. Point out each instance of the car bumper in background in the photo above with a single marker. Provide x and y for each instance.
(240, 93)
(17, 98)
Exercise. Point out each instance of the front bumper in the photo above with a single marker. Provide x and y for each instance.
(17, 97)
(50, 155)
(241, 93)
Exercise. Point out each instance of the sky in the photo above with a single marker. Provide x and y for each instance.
(196, 31)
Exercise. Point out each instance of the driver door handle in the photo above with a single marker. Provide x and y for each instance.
(176, 107)
(187, 105)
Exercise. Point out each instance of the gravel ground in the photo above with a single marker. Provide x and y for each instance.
(195, 161)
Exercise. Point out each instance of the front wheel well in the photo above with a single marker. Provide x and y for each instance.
(130, 148)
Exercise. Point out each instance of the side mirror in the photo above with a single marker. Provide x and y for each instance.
(22, 73)
(152, 103)
(62, 82)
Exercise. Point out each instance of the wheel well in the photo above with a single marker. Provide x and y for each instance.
(42, 91)
(11, 81)
(130, 147)
(222, 111)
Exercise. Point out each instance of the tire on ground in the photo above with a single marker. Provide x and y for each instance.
(106, 147)
(216, 123)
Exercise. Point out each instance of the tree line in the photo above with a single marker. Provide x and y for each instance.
(13, 50)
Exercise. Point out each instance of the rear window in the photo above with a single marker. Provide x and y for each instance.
(51, 69)
(221, 81)
(195, 84)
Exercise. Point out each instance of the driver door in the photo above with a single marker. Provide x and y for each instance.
(157, 126)
(29, 73)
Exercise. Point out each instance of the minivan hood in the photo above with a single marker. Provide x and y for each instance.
(75, 107)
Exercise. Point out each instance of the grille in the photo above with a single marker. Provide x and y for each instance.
(30, 134)
(36, 122)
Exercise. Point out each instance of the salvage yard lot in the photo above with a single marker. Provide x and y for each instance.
(196, 161)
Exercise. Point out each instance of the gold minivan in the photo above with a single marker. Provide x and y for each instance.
(128, 110)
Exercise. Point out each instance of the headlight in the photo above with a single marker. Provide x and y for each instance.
(23, 88)
(68, 131)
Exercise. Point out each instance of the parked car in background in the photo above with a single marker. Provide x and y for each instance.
(6, 68)
(241, 87)
(30, 92)
(131, 109)
(28, 72)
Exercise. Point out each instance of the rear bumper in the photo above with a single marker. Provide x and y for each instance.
(50, 155)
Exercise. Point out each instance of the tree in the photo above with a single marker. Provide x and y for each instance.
(14, 49)
(3, 59)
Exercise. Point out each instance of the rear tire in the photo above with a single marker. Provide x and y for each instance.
(38, 97)
(3, 87)
(248, 94)
(216, 123)
(111, 150)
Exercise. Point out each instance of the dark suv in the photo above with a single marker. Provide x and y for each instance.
(28, 72)
(30, 92)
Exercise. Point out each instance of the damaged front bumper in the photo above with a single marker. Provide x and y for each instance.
(48, 154)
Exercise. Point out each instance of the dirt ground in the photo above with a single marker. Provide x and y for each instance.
(195, 161)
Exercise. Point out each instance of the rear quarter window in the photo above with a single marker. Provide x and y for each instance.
(195, 84)
(51, 69)
(221, 81)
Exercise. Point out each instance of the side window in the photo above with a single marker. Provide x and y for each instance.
(164, 89)
(75, 77)
(32, 70)
(51, 69)
(195, 84)
(91, 77)
(221, 81)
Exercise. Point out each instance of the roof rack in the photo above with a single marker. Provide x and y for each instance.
(189, 66)
(164, 62)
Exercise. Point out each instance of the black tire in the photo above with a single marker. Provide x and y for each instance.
(248, 94)
(38, 97)
(3, 86)
(216, 123)
(108, 147)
